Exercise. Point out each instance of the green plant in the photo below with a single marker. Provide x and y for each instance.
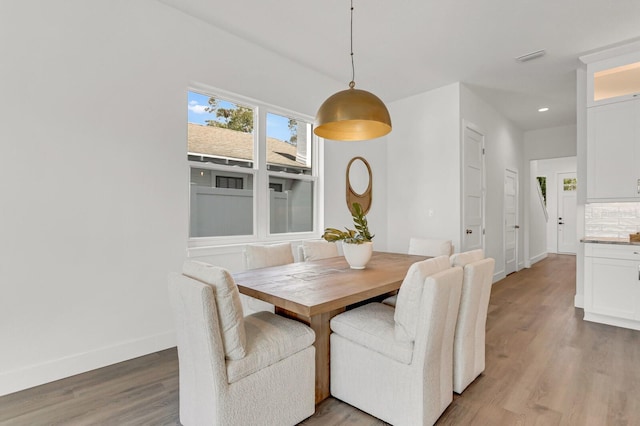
(352, 236)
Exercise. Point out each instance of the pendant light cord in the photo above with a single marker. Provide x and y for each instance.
(352, 84)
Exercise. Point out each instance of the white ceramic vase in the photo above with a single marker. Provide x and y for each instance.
(357, 255)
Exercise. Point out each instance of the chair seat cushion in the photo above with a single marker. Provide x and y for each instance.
(391, 300)
(270, 338)
(372, 326)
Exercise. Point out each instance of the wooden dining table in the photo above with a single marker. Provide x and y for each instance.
(313, 292)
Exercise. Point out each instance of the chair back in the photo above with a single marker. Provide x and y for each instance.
(316, 250)
(469, 343)
(409, 296)
(433, 349)
(430, 247)
(200, 350)
(262, 256)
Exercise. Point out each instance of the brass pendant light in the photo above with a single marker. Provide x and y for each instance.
(352, 114)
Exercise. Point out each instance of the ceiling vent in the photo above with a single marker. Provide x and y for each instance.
(531, 56)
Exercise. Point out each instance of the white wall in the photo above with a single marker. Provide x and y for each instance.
(503, 142)
(336, 157)
(553, 142)
(423, 154)
(424, 167)
(94, 174)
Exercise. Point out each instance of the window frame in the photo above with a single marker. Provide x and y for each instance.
(261, 175)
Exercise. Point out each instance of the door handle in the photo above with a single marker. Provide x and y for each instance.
(469, 231)
(517, 226)
(560, 223)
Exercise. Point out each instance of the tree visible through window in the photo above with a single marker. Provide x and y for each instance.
(569, 184)
(542, 181)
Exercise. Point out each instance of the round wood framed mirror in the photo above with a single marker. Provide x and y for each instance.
(359, 184)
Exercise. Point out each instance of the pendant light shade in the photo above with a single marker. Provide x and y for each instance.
(352, 115)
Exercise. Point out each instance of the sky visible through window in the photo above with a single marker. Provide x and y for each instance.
(277, 126)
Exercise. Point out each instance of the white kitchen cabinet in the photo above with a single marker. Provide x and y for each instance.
(613, 152)
(612, 284)
(615, 78)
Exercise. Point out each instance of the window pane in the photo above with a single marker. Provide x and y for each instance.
(219, 204)
(290, 205)
(219, 131)
(542, 181)
(569, 184)
(288, 144)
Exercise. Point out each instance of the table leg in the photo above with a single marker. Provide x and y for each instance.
(320, 325)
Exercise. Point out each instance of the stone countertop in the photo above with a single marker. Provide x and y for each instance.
(609, 240)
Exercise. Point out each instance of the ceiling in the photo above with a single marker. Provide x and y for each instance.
(406, 47)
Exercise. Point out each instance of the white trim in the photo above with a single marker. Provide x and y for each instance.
(617, 322)
(517, 216)
(246, 101)
(613, 52)
(497, 276)
(578, 301)
(538, 258)
(49, 371)
(471, 126)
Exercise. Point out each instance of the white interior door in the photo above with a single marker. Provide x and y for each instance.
(567, 201)
(472, 188)
(510, 221)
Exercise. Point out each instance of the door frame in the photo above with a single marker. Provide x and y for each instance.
(468, 125)
(504, 220)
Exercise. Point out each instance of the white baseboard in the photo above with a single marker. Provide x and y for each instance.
(617, 322)
(497, 276)
(538, 258)
(578, 301)
(49, 371)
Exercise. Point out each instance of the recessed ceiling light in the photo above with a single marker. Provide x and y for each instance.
(543, 109)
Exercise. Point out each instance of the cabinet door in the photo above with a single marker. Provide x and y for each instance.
(613, 151)
(612, 287)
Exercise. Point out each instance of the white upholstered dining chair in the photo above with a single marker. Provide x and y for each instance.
(235, 370)
(397, 364)
(317, 249)
(430, 247)
(424, 247)
(263, 256)
(469, 341)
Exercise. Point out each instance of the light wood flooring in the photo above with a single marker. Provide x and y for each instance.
(544, 366)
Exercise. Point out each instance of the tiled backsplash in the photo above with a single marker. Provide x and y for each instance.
(616, 220)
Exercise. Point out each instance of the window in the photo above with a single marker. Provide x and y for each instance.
(248, 183)
(277, 187)
(542, 182)
(229, 182)
(569, 184)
